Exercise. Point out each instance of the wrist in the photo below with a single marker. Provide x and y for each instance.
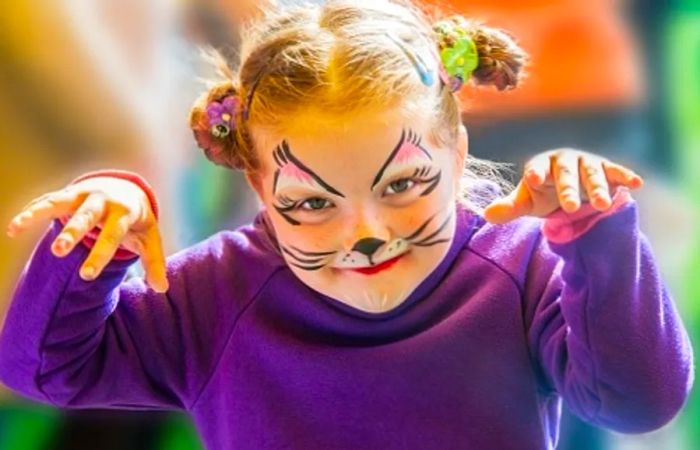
(561, 227)
(129, 176)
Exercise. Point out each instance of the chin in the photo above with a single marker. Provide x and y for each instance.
(375, 301)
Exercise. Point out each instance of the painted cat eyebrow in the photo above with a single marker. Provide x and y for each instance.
(406, 136)
(283, 155)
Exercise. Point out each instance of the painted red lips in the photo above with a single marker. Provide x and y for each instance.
(379, 267)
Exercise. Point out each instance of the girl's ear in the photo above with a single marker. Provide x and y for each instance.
(255, 182)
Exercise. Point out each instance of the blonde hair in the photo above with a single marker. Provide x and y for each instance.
(347, 57)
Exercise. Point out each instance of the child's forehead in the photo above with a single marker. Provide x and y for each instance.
(364, 139)
(316, 121)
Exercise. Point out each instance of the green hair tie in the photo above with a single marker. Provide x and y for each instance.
(458, 53)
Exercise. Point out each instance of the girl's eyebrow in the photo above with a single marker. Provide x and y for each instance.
(400, 151)
(283, 157)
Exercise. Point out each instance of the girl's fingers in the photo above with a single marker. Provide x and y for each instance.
(115, 228)
(53, 205)
(60, 193)
(516, 204)
(537, 170)
(86, 218)
(622, 176)
(594, 181)
(40, 198)
(153, 260)
(566, 179)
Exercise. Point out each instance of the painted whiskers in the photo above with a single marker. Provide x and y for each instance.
(309, 261)
(312, 261)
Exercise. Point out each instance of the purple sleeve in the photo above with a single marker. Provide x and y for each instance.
(604, 332)
(112, 343)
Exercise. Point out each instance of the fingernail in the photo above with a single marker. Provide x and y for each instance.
(59, 246)
(601, 202)
(571, 205)
(159, 287)
(88, 273)
(534, 177)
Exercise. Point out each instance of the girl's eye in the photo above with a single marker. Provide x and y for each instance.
(315, 204)
(399, 186)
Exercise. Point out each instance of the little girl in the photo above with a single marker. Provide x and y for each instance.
(376, 301)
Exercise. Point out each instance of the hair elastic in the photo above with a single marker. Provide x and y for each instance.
(458, 53)
(222, 116)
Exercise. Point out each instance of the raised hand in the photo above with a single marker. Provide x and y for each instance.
(121, 211)
(562, 179)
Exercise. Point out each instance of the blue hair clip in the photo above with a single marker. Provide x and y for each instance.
(426, 75)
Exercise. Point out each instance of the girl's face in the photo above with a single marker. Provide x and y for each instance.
(362, 214)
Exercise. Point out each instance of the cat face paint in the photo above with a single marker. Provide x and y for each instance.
(293, 172)
(409, 154)
(370, 255)
(362, 217)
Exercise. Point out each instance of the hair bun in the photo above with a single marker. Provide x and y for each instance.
(500, 59)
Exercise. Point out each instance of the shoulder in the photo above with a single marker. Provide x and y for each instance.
(510, 247)
(503, 243)
(245, 258)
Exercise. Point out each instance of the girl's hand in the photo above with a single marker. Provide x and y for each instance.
(122, 211)
(562, 179)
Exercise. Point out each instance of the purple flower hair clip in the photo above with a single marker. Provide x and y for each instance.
(222, 116)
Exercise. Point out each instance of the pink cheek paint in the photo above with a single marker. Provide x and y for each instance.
(379, 267)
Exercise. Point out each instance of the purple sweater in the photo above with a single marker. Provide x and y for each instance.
(479, 356)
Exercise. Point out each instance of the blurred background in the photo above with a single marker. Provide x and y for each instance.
(89, 84)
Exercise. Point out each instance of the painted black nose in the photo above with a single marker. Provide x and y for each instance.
(367, 246)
